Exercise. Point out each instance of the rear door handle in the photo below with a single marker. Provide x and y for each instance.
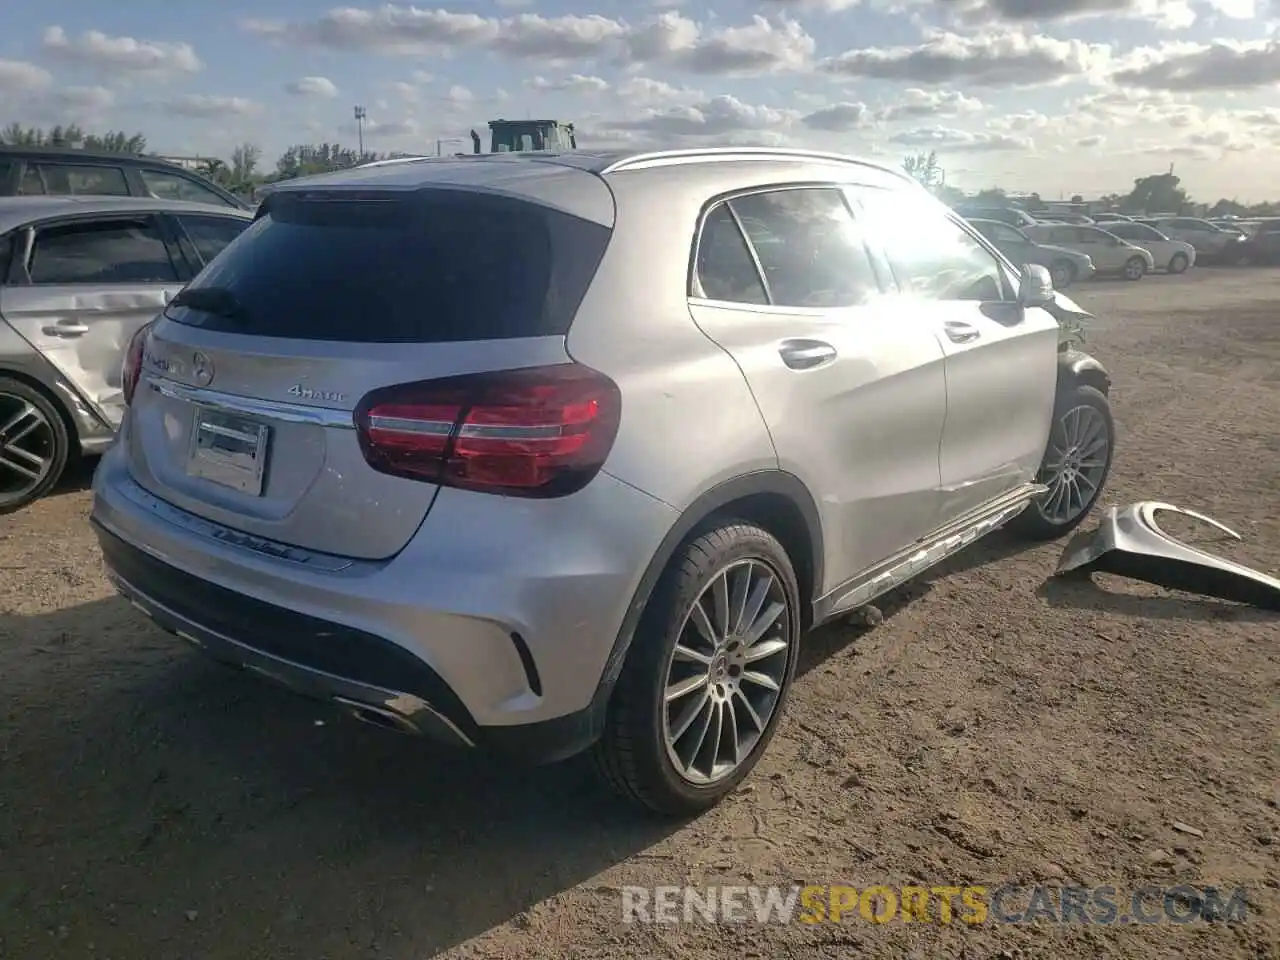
(806, 354)
(961, 332)
(66, 330)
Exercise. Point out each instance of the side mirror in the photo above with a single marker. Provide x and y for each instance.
(1036, 286)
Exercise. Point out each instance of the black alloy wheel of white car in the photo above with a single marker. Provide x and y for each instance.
(34, 445)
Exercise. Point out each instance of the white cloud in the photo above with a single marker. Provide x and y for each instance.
(647, 91)
(575, 83)
(86, 99)
(20, 77)
(1165, 14)
(719, 116)
(915, 103)
(763, 46)
(839, 117)
(669, 39)
(997, 58)
(312, 87)
(1194, 67)
(951, 139)
(825, 6)
(206, 107)
(121, 55)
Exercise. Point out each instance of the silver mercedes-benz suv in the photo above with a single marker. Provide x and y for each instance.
(541, 453)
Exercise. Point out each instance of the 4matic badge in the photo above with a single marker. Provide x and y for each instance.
(306, 393)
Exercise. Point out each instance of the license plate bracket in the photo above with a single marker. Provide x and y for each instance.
(228, 449)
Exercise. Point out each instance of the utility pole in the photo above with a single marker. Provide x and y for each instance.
(360, 118)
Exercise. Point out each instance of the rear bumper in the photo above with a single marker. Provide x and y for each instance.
(495, 657)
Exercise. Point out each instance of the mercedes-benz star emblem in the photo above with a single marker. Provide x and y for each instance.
(202, 369)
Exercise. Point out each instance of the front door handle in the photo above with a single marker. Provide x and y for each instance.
(66, 330)
(806, 354)
(961, 332)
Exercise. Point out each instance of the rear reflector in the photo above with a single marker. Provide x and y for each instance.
(533, 432)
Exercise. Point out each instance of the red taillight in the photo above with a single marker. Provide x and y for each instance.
(535, 432)
(133, 362)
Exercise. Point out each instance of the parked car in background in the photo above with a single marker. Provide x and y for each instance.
(1110, 254)
(1213, 244)
(473, 453)
(63, 171)
(1075, 218)
(1233, 225)
(78, 277)
(1111, 218)
(1010, 215)
(1175, 256)
(1065, 266)
(1262, 244)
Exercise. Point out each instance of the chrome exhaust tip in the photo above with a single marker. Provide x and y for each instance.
(377, 716)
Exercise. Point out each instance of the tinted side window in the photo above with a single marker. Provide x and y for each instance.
(809, 247)
(72, 179)
(174, 186)
(31, 185)
(6, 252)
(725, 270)
(1004, 234)
(103, 251)
(211, 234)
(931, 256)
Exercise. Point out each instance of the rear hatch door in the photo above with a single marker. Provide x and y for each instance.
(244, 413)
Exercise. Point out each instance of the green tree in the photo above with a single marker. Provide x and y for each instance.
(304, 159)
(244, 164)
(113, 141)
(925, 169)
(1158, 193)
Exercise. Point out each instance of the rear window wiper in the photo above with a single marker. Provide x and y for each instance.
(219, 301)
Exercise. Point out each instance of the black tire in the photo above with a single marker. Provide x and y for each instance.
(1063, 273)
(1032, 522)
(58, 445)
(631, 756)
(1178, 263)
(1135, 268)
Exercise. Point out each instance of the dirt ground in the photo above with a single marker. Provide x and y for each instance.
(997, 726)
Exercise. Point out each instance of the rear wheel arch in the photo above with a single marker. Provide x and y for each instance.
(775, 500)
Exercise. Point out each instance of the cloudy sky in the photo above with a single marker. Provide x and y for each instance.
(1060, 96)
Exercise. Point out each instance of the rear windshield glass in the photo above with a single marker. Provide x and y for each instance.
(433, 266)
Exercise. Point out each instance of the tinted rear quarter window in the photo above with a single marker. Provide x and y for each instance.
(175, 186)
(435, 266)
(809, 247)
(210, 235)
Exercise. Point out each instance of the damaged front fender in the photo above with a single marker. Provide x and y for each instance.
(1130, 543)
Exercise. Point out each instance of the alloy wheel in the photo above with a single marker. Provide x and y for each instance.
(726, 671)
(27, 445)
(1076, 464)
(1134, 269)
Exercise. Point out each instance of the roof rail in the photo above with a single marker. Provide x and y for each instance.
(711, 154)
